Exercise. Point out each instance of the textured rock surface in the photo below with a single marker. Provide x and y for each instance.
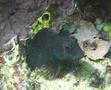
(85, 31)
(16, 17)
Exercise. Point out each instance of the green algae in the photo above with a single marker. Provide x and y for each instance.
(44, 21)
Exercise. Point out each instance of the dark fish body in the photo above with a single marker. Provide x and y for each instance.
(48, 47)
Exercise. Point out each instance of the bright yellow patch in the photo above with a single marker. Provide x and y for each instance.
(42, 22)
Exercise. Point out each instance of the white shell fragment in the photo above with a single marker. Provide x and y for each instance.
(96, 48)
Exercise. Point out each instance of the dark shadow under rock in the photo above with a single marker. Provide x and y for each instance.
(92, 9)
